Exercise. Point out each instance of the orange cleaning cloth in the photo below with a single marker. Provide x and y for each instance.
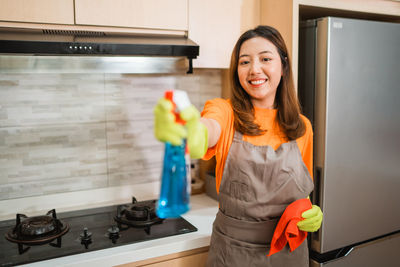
(287, 230)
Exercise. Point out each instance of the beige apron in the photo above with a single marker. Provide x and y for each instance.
(257, 185)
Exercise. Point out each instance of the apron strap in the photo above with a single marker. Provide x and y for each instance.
(238, 136)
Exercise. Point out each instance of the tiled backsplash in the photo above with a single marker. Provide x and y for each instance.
(71, 132)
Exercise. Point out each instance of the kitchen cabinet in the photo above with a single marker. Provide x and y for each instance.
(38, 11)
(152, 14)
(286, 14)
(192, 258)
(216, 26)
(164, 17)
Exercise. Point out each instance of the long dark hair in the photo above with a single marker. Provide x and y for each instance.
(286, 101)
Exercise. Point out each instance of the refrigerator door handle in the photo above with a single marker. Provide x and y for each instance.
(332, 255)
(317, 186)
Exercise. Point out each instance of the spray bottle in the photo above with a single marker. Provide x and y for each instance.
(175, 181)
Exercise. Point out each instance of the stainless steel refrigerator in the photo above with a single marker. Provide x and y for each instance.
(349, 87)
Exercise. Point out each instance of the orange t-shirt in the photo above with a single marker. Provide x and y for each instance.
(221, 110)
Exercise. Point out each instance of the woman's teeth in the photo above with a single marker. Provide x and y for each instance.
(257, 82)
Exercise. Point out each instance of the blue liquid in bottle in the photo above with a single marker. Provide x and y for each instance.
(174, 196)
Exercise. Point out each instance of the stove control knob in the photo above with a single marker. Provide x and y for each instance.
(113, 233)
(86, 238)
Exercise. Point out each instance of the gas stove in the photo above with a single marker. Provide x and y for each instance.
(31, 239)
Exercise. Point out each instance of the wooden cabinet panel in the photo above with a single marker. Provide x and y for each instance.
(193, 258)
(38, 11)
(285, 16)
(197, 260)
(151, 14)
(384, 7)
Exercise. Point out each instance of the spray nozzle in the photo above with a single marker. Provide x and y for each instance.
(180, 101)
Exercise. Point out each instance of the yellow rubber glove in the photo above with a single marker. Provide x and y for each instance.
(312, 219)
(197, 133)
(165, 127)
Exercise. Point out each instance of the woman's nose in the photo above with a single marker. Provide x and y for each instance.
(255, 67)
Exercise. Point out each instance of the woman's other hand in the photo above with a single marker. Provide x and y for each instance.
(312, 219)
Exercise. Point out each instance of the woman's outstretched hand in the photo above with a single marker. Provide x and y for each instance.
(165, 127)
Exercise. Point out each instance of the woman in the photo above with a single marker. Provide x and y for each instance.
(263, 150)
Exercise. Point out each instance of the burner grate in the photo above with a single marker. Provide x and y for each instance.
(138, 214)
(38, 230)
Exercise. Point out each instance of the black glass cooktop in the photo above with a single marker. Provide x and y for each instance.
(101, 232)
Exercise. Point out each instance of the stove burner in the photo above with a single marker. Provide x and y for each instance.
(37, 230)
(38, 225)
(138, 214)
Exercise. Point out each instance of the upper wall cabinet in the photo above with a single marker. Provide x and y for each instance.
(124, 16)
(149, 14)
(38, 11)
(216, 26)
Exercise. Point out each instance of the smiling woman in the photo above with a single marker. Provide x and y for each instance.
(263, 150)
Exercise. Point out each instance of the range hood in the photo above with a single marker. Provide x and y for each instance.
(88, 44)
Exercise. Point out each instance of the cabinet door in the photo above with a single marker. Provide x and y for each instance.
(149, 14)
(216, 26)
(38, 11)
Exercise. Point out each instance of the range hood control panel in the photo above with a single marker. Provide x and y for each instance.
(81, 48)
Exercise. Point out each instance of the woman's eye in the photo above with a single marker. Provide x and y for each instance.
(266, 59)
(244, 62)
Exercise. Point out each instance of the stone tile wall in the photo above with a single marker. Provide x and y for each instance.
(70, 132)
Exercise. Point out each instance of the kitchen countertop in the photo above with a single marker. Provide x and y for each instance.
(201, 215)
